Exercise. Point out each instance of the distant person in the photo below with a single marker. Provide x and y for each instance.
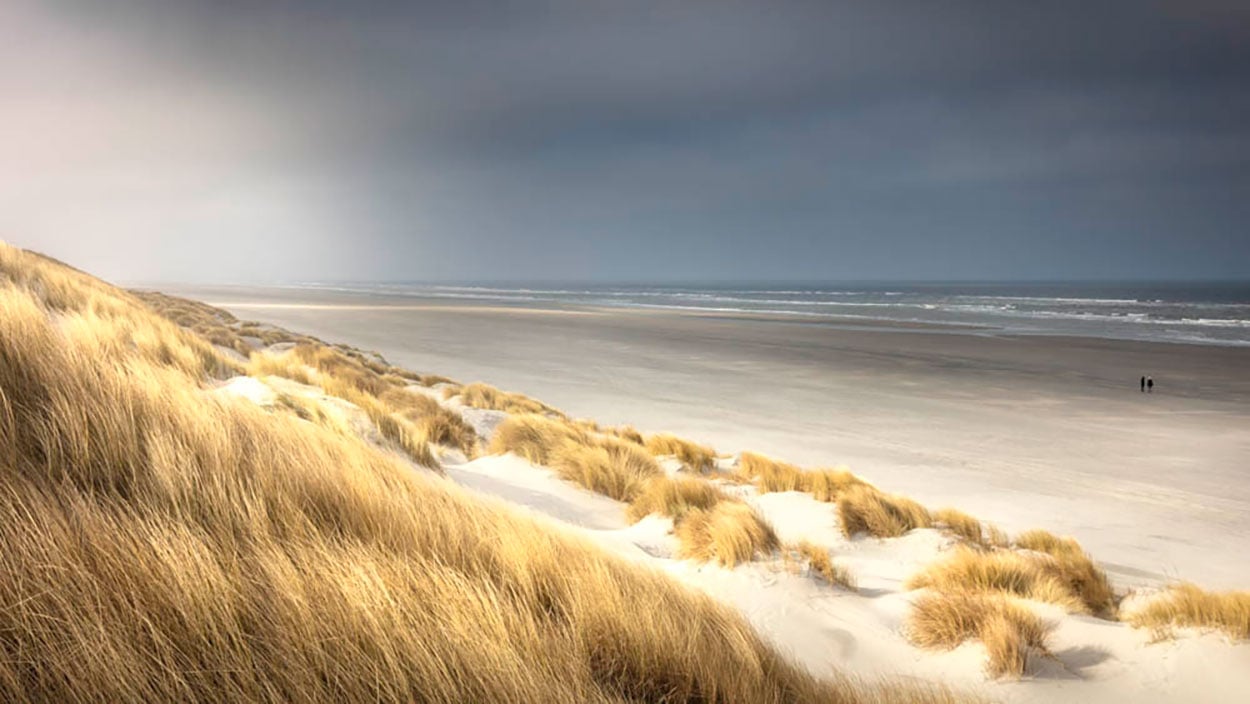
(1143, 384)
(1150, 385)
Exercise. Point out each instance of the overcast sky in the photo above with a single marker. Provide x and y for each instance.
(628, 141)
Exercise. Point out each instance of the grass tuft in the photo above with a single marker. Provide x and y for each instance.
(1010, 632)
(615, 468)
(602, 463)
(864, 509)
(1073, 566)
(1037, 576)
(535, 437)
(729, 533)
(774, 476)
(820, 563)
(1187, 606)
(673, 497)
(696, 457)
(969, 529)
(479, 395)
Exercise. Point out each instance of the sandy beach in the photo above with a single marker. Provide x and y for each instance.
(1025, 431)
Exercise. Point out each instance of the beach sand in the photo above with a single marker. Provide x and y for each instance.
(1024, 431)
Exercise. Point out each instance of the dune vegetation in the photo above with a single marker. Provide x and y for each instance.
(601, 463)
(1075, 568)
(1010, 632)
(606, 465)
(728, 533)
(771, 475)
(674, 497)
(1188, 606)
(865, 509)
(822, 565)
(215, 325)
(970, 529)
(479, 395)
(1073, 583)
(164, 541)
(696, 458)
(709, 525)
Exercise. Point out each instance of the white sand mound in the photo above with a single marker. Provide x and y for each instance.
(827, 628)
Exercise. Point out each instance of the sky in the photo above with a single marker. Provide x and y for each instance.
(588, 140)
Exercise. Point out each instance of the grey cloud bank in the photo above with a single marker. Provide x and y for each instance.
(641, 141)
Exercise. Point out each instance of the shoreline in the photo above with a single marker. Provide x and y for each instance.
(381, 300)
(1026, 325)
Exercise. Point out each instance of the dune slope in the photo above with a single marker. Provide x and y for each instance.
(165, 541)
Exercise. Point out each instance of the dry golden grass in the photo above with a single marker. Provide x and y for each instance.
(478, 395)
(728, 533)
(827, 484)
(624, 432)
(1187, 606)
(769, 474)
(960, 524)
(772, 476)
(433, 422)
(409, 419)
(995, 536)
(819, 562)
(404, 434)
(696, 457)
(615, 468)
(215, 325)
(627, 432)
(1041, 577)
(313, 411)
(1074, 567)
(535, 437)
(262, 364)
(334, 363)
(602, 463)
(673, 497)
(969, 528)
(165, 543)
(1010, 632)
(864, 509)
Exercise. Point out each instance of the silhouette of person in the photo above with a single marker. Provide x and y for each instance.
(1150, 384)
(1143, 384)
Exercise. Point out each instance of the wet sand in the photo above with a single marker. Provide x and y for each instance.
(1026, 431)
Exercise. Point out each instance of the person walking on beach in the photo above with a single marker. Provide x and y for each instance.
(1150, 385)
(1143, 384)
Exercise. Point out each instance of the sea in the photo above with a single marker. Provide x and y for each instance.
(1202, 313)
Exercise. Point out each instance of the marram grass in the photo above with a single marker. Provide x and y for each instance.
(163, 542)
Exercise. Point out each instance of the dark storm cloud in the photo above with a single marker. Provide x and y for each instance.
(579, 140)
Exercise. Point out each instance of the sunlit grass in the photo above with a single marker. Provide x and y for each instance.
(163, 542)
(864, 509)
(729, 533)
(696, 457)
(1010, 632)
(1188, 606)
(674, 497)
